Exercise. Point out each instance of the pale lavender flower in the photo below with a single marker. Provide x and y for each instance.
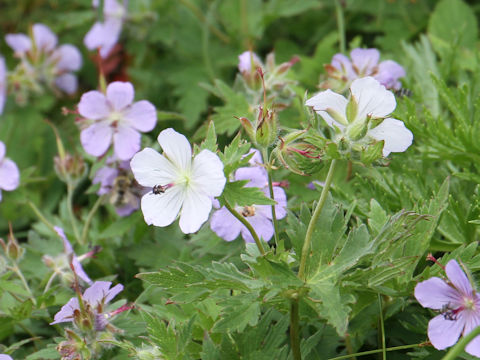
(364, 62)
(115, 117)
(95, 298)
(45, 61)
(3, 84)
(458, 304)
(9, 174)
(5, 357)
(116, 179)
(104, 36)
(226, 226)
(248, 62)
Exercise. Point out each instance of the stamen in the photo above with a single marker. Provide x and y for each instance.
(430, 257)
(160, 189)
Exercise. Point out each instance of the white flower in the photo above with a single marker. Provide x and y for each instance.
(365, 119)
(180, 183)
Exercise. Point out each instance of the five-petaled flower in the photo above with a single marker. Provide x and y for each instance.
(364, 62)
(364, 118)
(180, 183)
(9, 174)
(114, 116)
(458, 304)
(226, 226)
(44, 61)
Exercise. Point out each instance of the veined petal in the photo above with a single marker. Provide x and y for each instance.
(77, 267)
(458, 278)
(364, 60)
(248, 61)
(69, 58)
(93, 105)
(151, 168)
(207, 173)
(120, 94)
(162, 209)
(195, 210)
(256, 175)
(66, 312)
(396, 136)
(97, 292)
(9, 175)
(20, 43)
(44, 38)
(472, 321)
(372, 99)
(388, 74)
(443, 332)
(126, 142)
(113, 292)
(176, 148)
(142, 115)
(96, 139)
(331, 107)
(67, 83)
(343, 65)
(435, 293)
(262, 225)
(225, 225)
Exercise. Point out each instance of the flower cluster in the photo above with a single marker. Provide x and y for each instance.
(114, 117)
(363, 119)
(9, 174)
(226, 226)
(180, 183)
(459, 306)
(364, 62)
(43, 62)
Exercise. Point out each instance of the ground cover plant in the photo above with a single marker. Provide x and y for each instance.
(239, 179)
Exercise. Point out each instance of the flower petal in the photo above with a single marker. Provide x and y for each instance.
(396, 136)
(5, 357)
(111, 29)
(257, 176)
(3, 86)
(126, 142)
(176, 148)
(262, 225)
(120, 94)
(66, 312)
(328, 103)
(9, 175)
(96, 139)
(20, 43)
(69, 58)
(372, 98)
(44, 38)
(207, 173)
(443, 333)
(97, 292)
(472, 321)
(151, 168)
(93, 105)
(225, 225)
(435, 293)
(162, 209)
(343, 65)
(113, 292)
(3, 150)
(142, 115)
(195, 210)
(67, 82)
(458, 278)
(106, 177)
(77, 267)
(388, 74)
(364, 60)
(248, 61)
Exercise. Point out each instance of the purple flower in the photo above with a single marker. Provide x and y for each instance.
(226, 226)
(45, 61)
(116, 179)
(104, 36)
(94, 299)
(3, 84)
(364, 62)
(458, 304)
(248, 62)
(9, 174)
(5, 357)
(114, 117)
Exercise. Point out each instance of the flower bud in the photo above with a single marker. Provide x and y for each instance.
(357, 131)
(266, 133)
(69, 167)
(13, 250)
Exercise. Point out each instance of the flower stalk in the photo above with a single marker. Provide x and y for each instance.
(459, 347)
(294, 330)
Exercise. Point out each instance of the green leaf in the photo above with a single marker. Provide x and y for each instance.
(235, 193)
(121, 226)
(210, 142)
(241, 311)
(48, 353)
(233, 155)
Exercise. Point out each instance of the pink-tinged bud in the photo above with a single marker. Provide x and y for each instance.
(266, 132)
(284, 67)
(13, 250)
(69, 167)
(247, 125)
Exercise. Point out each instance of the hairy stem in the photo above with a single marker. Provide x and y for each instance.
(294, 330)
(313, 220)
(460, 346)
(41, 217)
(248, 226)
(70, 190)
(88, 221)
(19, 273)
(270, 188)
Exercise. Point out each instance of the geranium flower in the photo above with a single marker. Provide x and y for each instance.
(369, 120)
(226, 226)
(364, 62)
(180, 183)
(114, 117)
(9, 174)
(3, 84)
(45, 61)
(5, 357)
(248, 62)
(95, 298)
(104, 36)
(458, 304)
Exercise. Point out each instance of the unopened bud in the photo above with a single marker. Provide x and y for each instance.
(69, 167)
(357, 131)
(247, 125)
(13, 250)
(266, 132)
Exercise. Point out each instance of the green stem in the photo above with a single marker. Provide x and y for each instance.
(382, 328)
(248, 226)
(70, 190)
(270, 188)
(403, 347)
(19, 273)
(41, 217)
(313, 220)
(460, 346)
(50, 281)
(294, 330)
(349, 347)
(88, 221)
(340, 25)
